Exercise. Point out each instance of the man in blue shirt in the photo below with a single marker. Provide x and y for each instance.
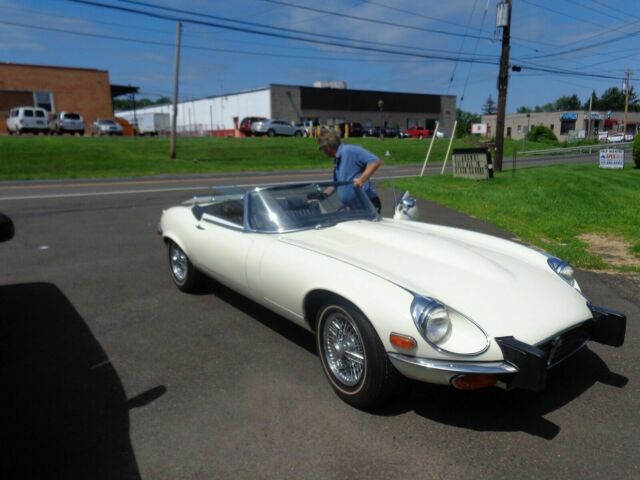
(352, 163)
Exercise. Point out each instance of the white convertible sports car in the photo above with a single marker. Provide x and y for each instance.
(388, 298)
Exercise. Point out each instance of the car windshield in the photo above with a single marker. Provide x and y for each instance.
(106, 122)
(306, 206)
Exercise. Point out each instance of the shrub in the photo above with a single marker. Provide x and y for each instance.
(636, 151)
(540, 133)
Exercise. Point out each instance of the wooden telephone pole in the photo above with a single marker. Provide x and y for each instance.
(176, 74)
(503, 81)
(627, 87)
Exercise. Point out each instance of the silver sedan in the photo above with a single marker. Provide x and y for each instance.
(272, 128)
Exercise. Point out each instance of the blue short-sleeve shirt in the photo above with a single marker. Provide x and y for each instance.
(350, 162)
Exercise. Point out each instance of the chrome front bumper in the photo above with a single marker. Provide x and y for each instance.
(524, 366)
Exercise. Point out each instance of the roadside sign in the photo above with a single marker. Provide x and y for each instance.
(479, 128)
(611, 158)
(472, 163)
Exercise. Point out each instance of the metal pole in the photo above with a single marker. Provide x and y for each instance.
(503, 81)
(426, 159)
(446, 157)
(176, 74)
(626, 103)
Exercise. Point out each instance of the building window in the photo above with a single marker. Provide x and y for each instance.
(43, 100)
(551, 126)
(519, 128)
(508, 131)
(566, 126)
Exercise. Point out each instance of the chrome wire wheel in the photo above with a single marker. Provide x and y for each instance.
(179, 263)
(343, 349)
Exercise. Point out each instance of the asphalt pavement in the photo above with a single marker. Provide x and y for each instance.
(108, 371)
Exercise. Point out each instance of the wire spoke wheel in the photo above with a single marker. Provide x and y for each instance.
(179, 263)
(343, 348)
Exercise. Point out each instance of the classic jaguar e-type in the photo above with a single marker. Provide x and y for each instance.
(387, 298)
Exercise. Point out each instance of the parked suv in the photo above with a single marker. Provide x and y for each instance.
(27, 119)
(67, 122)
(275, 127)
(105, 126)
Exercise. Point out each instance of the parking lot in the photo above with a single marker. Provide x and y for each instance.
(111, 372)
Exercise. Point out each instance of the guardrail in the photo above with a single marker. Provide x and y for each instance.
(573, 150)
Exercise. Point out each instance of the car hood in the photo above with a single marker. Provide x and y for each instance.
(503, 286)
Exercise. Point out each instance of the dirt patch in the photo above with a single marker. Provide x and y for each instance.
(613, 250)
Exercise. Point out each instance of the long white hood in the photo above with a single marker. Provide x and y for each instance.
(501, 285)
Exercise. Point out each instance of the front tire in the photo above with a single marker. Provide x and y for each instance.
(271, 133)
(353, 357)
(183, 273)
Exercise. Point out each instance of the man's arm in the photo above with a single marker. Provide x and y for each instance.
(368, 172)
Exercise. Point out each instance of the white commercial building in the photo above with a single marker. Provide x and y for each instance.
(220, 115)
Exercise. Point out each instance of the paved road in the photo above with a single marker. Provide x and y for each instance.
(108, 371)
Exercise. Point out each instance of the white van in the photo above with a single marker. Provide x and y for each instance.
(27, 119)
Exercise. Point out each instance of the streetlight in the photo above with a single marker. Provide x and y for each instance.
(380, 106)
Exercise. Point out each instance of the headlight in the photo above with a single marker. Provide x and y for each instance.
(431, 319)
(564, 270)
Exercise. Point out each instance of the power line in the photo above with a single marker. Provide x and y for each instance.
(370, 20)
(324, 42)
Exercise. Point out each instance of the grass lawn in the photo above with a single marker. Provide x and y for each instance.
(552, 208)
(41, 157)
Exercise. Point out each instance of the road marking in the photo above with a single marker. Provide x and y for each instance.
(161, 190)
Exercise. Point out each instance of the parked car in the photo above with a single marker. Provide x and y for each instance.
(418, 132)
(388, 298)
(27, 120)
(67, 122)
(615, 137)
(355, 129)
(307, 126)
(275, 127)
(105, 126)
(245, 124)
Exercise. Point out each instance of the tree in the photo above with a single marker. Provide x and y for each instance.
(540, 133)
(594, 101)
(524, 109)
(489, 107)
(127, 103)
(568, 102)
(465, 119)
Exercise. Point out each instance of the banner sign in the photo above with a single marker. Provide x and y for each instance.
(479, 128)
(611, 158)
(472, 163)
(569, 116)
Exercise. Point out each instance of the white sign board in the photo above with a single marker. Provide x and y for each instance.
(611, 158)
(479, 128)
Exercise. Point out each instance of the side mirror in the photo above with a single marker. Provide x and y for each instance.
(6, 228)
(407, 208)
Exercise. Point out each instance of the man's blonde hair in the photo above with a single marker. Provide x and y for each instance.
(329, 138)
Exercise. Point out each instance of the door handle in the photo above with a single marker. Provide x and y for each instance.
(199, 227)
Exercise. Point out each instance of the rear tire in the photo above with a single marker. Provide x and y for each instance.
(353, 357)
(183, 273)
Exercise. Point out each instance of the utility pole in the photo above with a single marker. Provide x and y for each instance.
(589, 122)
(504, 21)
(626, 102)
(176, 74)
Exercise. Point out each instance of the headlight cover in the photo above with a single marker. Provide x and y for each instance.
(431, 319)
(446, 329)
(564, 271)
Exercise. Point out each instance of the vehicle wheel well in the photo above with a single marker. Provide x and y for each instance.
(315, 300)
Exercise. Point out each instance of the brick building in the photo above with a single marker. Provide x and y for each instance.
(56, 89)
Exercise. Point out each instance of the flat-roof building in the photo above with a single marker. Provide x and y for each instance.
(293, 103)
(566, 125)
(56, 89)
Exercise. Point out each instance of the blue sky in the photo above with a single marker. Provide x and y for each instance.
(584, 36)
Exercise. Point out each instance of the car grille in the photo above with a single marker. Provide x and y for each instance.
(567, 343)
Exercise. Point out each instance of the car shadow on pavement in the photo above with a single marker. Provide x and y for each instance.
(65, 413)
(275, 322)
(495, 409)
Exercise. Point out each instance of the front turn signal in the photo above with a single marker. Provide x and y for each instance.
(404, 342)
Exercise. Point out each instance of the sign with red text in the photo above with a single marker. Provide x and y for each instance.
(611, 158)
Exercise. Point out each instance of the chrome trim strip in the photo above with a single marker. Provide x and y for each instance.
(492, 368)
